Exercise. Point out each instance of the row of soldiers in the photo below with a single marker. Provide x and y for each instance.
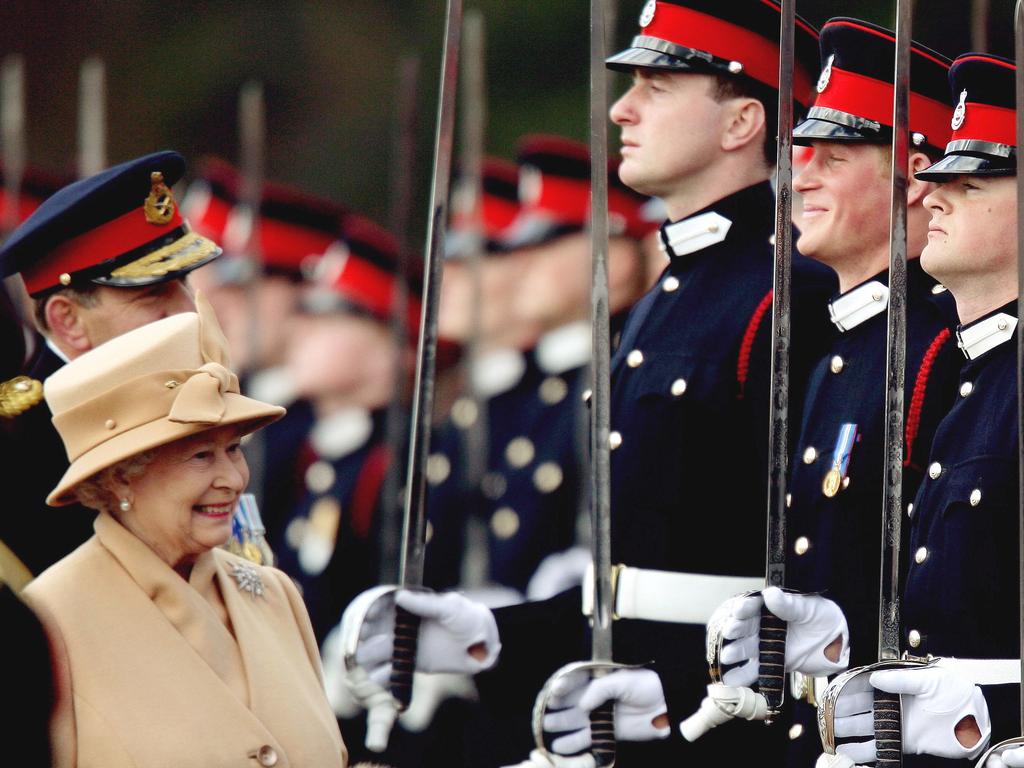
(310, 320)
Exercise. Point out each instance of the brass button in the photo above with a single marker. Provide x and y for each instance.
(938, 288)
(796, 732)
(110, 424)
(801, 545)
(553, 390)
(670, 284)
(464, 412)
(678, 387)
(846, 482)
(966, 388)
(735, 67)
(976, 497)
(614, 440)
(877, 296)
(1001, 325)
(910, 509)
(789, 500)
(519, 452)
(587, 395)
(934, 470)
(320, 477)
(505, 523)
(65, 278)
(267, 756)
(439, 467)
(921, 555)
(836, 366)
(914, 638)
(810, 455)
(547, 477)
(635, 359)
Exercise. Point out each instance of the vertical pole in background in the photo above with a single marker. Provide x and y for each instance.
(887, 710)
(1018, 28)
(403, 660)
(12, 126)
(92, 117)
(403, 166)
(980, 10)
(602, 719)
(772, 651)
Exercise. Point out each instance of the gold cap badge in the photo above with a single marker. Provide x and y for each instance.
(159, 205)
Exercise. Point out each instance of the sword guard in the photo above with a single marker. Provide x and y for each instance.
(998, 749)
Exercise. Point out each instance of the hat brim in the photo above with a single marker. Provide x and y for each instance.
(817, 129)
(646, 58)
(238, 409)
(958, 164)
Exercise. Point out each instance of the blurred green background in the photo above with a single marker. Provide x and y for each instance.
(174, 70)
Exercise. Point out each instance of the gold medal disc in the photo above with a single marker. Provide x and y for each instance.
(832, 482)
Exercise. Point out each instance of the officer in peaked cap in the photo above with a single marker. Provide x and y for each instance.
(960, 592)
(101, 256)
(837, 468)
(690, 381)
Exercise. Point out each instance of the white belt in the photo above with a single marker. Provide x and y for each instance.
(670, 596)
(984, 671)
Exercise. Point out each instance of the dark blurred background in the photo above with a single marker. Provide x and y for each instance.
(329, 69)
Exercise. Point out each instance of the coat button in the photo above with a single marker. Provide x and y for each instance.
(810, 455)
(789, 500)
(914, 638)
(519, 452)
(801, 545)
(921, 555)
(670, 284)
(110, 424)
(938, 288)
(910, 509)
(553, 390)
(976, 497)
(934, 470)
(439, 467)
(547, 477)
(505, 523)
(465, 412)
(587, 395)
(320, 477)
(837, 364)
(796, 732)
(614, 440)
(267, 756)
(635, 359)
(966, 388)
(678, 387)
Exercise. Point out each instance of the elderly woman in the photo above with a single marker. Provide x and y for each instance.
(172, 651)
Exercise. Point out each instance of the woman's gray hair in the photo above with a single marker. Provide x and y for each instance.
(94, 492)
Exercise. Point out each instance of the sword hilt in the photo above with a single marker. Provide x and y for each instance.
(888, 716)
(403, 656)
(771, 679)
(602, 735)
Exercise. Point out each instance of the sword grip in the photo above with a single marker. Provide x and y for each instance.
(771, 679)
(602, 735)
(403, 656)
(888, 730)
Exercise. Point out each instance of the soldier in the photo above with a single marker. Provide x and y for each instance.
(960, 596)
(837, 465)
(690, 385)
(102, 256)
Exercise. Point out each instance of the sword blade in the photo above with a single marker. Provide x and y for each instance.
(896, 348)
(1018, 25)
(414, 518)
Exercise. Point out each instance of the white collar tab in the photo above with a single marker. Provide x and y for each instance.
(693, 234)
(565, 348)
(859, 304)
(342, 433)
(496, 372)
(978, 338)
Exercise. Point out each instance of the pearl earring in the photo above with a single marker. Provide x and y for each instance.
(125, 505)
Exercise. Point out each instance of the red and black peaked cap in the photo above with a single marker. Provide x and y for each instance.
(731, 37)
(855, 89)
(984, 140)
(499, 203)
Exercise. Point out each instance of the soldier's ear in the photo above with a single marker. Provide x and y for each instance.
(66, 324)
(745, 124)
(917, 189)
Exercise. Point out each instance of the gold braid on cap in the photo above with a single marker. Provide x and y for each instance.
(18, 395)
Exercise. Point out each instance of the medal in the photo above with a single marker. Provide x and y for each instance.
(835, 478)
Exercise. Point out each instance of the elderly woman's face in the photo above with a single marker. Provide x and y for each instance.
(181, 505)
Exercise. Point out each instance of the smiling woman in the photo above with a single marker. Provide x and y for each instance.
(170, 649)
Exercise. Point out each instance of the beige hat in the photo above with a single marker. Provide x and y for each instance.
(146, 388)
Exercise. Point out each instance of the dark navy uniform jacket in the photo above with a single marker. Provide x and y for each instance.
(833, 541)
(689, 473)
(961, 596)
(39, 535)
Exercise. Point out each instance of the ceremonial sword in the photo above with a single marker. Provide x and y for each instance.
(403, 660)
(887, 706)
(1018, 27)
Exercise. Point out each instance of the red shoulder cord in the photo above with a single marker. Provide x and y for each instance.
(917, 399)
(747, 345)
(364, 498)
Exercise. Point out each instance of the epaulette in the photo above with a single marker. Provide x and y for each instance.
(920, 389)
(18, 395)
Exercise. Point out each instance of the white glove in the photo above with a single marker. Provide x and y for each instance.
(451, 626)
(722, 704)
(813, 623)
(935, 699)
(834, 761)
(429, 691)
(638, 696)
(1008, 758)
(340, 697)
(558, 572)
(538, 760)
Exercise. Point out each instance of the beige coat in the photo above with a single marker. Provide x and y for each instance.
(169, 674)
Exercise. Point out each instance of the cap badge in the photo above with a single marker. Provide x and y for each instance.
(826, 74)
(159, 205)
(960, 113)
(647, 14)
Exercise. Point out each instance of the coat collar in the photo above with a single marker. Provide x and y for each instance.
(565, 348)
(850, 309)
(987, 333)
(342, 433)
